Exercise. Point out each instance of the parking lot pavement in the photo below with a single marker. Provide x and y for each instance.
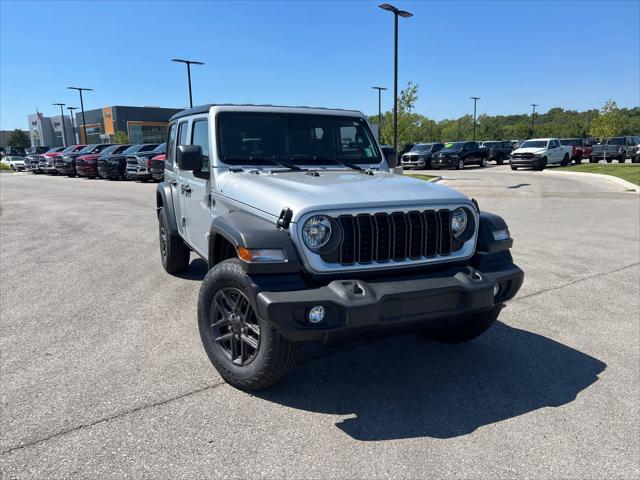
(103, 374)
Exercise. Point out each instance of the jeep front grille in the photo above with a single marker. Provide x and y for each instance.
(397, 236)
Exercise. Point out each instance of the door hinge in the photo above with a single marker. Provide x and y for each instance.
(285, 218)
(184, 221)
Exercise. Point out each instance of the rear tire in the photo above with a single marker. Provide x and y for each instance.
(247, 351)
(592, 160)
(483, 163)
(173, 251)
(513, 167)
(472, 328)
(565, 161)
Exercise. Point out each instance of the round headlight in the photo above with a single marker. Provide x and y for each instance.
(316, 232)
(459, 222)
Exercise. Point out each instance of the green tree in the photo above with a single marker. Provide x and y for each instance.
(19, 139)
(408, 121)
(122, 138)
(609, 123)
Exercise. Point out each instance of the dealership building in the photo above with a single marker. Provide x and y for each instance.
(48, 131)
(140, 124)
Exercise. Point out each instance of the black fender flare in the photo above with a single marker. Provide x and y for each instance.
(242, 229)
(164, 199)
(488, 224)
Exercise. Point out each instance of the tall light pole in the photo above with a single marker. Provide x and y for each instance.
(432, 122)
(379, 109)
(84, 123)
(73, 125)
(188, 63)
(459, 135)
(64, 131)
(588, 121)
(475, 99)
(533, 118)
(404, 14)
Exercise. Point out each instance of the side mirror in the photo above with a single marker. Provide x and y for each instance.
(391, 156)
(189, 157)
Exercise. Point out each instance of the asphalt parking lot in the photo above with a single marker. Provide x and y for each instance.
(103, 374)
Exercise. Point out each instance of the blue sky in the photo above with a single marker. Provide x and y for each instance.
(509, 53)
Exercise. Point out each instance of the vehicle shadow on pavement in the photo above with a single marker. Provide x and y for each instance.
(409, 386)
(196, 270)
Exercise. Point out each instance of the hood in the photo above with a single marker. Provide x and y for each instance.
(418, 154)
(332, 190)
(113, 157)
(533, 150)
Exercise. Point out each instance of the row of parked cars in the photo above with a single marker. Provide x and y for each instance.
(437, 155)
(105, 160)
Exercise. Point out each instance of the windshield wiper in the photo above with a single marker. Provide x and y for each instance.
(251, 159)
(323, 159)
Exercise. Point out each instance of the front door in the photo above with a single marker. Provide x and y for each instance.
(175, 176)
(196, 191)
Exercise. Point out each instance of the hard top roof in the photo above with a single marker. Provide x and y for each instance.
(207, 107)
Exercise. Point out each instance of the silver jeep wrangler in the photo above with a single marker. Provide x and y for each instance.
(308, 236)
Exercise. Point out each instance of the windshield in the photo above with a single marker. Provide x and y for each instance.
(113, 149)
(616, 141)
(490, 144)
(453, 145)
(571, 142)
(421, 147)
(87, 149)
(162, 148)
(261, 138)
(534, 144)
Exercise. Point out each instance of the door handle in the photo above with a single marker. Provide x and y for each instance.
(185, 188)
(173, 182)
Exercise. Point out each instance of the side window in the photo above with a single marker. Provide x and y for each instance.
(171, 147)
(200, 136)
(182, 133)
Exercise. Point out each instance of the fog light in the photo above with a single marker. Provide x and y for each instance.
(316, 314)
(496, 289)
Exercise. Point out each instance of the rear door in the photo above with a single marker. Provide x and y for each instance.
(196, 190)
(173, 175)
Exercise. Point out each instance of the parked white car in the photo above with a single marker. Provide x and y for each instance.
(540, 152)
(14, 161)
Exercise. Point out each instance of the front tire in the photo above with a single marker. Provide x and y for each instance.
(460, 165)
(247, 351)
(543, 164)
(566, 160)
(513, 167)
(483, 163)
(472, 328)
(592, 160)
(173, 252)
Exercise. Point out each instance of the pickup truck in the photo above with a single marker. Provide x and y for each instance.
(458, 154)
(577, 148)
(498, 150)
(614, 148)
(537, 153)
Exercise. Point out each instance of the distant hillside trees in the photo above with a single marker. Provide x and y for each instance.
(556, 122)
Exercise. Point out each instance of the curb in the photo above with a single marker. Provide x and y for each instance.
(436, 179)
(620, 181)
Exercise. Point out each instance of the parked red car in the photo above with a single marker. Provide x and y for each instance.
(587, 144)
(155, 166)
(87, 165)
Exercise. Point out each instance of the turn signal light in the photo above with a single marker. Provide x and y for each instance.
(261, 255)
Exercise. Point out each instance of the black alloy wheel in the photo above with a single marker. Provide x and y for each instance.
(234, 326)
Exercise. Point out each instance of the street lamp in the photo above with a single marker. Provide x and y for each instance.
(84, 123)
(379, 109)
(73, 125)
(475, 99)
(533, 118)
(188, 63)
(396, 13)
(459, 120)
(64, 132)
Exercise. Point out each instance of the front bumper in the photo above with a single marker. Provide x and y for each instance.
(111, 170)
(446, 162)
(414, 163)
(531, 162)
(416, 302)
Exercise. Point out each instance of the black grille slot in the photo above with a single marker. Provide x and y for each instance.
(431, 242)
(383, 237)
(416, 235)
(445, 232)
(348, 247)
(366, 238)
(400, 235)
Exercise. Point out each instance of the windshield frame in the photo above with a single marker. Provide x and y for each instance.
(306, 163)
(421, 148)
